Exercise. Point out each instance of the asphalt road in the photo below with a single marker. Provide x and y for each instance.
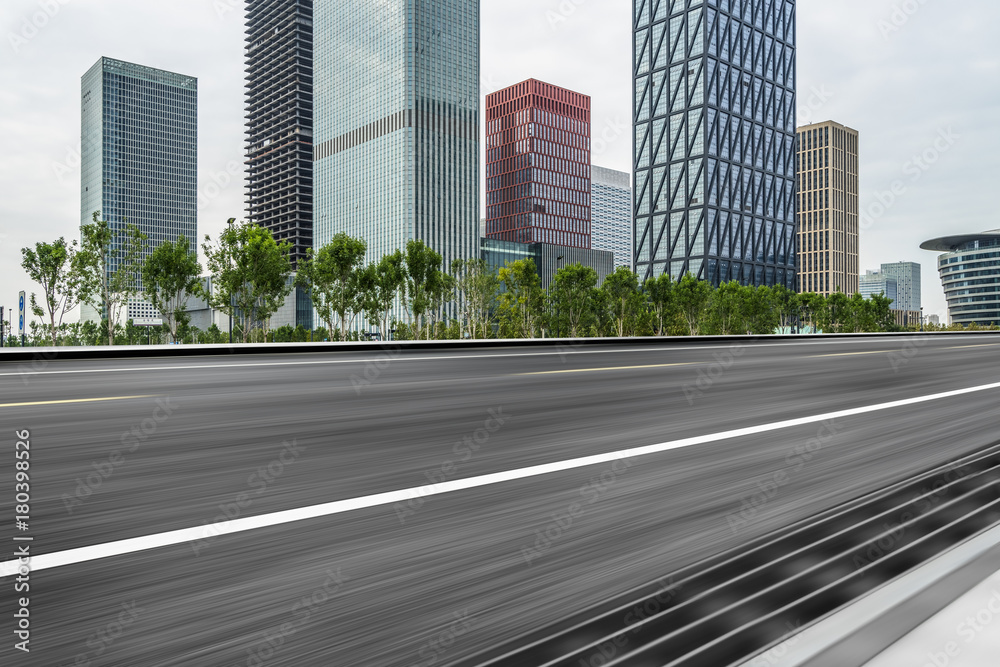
(430, 581)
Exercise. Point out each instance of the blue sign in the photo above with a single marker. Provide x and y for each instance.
(20, 312)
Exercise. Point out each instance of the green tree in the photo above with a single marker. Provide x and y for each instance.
(726, 307)
(786, 305)
(759, 311)
(522, 300)
(814, 310)
(572, 296)
(251, 274)
(381, 284)
(840, 314)
(423, 266)
(440, 292)
(333, 278)
(109, 265)
(623, 301)
(169, 277)
(660, 294)
(477, 288)
(693, 296)
(880, 313)
(52, 265)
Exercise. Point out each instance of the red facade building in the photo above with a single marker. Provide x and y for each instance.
(538, 165)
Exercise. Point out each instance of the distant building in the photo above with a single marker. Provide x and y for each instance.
(139, 155)
(279, 127)
(873, 283)
(907, 275)
(907, 318)
(934, 319)
(828, 209)
(548, 258)
(713, 99)
(538, 165)
(611, 213)
(970, 274)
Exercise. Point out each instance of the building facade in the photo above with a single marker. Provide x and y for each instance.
(548, 258)
(874, 282)
(139, 155)
(828, 209)
(279, 122)
(714, 140)
(396, 145)
(907, 276)
(611, 213)
(538, 165)
(970, 274)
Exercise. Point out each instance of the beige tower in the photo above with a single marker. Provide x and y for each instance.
(828, 209)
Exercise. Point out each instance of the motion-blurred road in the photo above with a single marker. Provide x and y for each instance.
(186, 442)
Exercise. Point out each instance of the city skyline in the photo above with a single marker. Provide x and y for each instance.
(916, 168)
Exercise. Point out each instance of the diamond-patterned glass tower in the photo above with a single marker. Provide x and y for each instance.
(714, 132)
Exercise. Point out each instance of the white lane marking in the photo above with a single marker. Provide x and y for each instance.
(121, 547)
(449, 357)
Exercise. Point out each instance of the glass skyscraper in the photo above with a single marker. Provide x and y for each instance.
(139, 154)
(611, 213)
(396, 154)
(714, 139)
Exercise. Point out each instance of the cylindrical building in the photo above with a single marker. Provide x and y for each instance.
(970, 273)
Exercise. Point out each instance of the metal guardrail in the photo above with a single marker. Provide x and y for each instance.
(726, 609)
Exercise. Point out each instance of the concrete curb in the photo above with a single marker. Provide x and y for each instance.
(146, 351)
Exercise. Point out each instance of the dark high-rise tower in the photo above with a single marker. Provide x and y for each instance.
(714, 140)
(279, 76)
(279, 97)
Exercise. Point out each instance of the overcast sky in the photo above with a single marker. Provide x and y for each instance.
(924, 84)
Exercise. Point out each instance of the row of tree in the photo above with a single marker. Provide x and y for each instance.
(408, 294)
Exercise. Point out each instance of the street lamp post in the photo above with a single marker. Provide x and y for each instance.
(230, 223)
